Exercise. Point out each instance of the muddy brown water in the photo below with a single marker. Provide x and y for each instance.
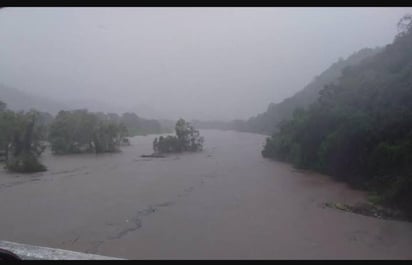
(226, 202)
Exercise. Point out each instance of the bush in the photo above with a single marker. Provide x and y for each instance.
(25, 163)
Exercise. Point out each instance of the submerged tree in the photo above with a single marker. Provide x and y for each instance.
(22, 140)
(187, 139)
(81, 131)
(107, 137)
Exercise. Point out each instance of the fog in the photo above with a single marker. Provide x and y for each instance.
(196, 63)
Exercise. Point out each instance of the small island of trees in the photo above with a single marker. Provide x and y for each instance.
(187, 139)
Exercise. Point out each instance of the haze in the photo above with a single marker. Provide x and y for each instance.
(196, 63)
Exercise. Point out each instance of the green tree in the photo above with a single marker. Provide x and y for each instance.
(2, 106)
(22, 140)
(81, 131)
(8, 123)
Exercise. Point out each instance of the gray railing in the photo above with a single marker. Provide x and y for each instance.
(30, 252)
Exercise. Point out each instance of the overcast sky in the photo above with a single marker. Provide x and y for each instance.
(205, 63)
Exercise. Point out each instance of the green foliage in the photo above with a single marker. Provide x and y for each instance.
(107, 137)
(21, 140)
(81, 131)
(360, 128)
(25, 163)
(8, 122)
(187, 139)
(168, 144)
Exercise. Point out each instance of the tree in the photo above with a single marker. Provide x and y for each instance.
(7, 125)
(22, 139)
(404, 25)
(2, 106)
(72, 132)
(81, 131)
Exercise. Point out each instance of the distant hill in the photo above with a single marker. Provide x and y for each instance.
(267, 122)
(19, 100)
(220, 125)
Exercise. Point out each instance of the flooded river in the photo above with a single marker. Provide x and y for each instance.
(226, 202)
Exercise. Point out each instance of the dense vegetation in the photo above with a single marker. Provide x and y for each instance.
(81, 131)
(360, 128)
(187, 139)
(21, 139)
(24, 135)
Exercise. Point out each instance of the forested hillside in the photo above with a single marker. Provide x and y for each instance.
(360, 128)
(267, 122)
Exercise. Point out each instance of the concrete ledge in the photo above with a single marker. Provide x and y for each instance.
(30, 252)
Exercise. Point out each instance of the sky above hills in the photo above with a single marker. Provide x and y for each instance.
(196, 63)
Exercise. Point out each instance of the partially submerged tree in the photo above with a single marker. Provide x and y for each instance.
(187, 139)
(81, 131)
(21, 140)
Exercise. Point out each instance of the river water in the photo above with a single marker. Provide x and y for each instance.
(226, 202)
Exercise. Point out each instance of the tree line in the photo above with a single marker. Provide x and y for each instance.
(25, 135)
